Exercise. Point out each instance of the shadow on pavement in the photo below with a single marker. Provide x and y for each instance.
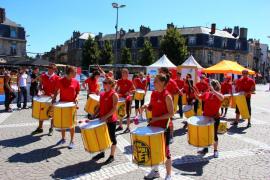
(236, 130)
(128, 149)
(180, 132)
(20, 141)
(192, 169)
(77, 169)
(36, 155)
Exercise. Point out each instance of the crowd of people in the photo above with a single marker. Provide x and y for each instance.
(162, 101)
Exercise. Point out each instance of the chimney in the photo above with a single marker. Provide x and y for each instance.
(229, 30)
(170, 26)
(243, 33)
(144, 30)
(2, 15)
(131, 30)
(236, 31)
(213, 28)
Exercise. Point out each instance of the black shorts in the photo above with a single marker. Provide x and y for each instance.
(248, 105)
(167, 135)
(216, 124)
(137, 103)
(111, 128)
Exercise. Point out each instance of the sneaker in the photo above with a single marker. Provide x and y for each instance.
(153, 174)
(120, 128)
(99, 156)
(234, 123)
(25, 107)
(37, 131)
(215, 154)
(127, 130)
(203, 151)
(50, 132)
(136, 120)
(109, 160)
(19, 108)
(168, 177)
(71, 145)
(185, 125)
(62, 141)
(8, 110)
(248, 125)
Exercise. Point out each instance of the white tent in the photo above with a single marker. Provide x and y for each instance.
(192, 63)
(162, 62)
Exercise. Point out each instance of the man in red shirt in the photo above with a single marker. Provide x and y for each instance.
(246, 85)
(124, 89)
(226, 88)
(202, 87)
(180, 83)
(47, 87)
(148, 77)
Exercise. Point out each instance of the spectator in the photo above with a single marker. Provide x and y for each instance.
(22, 88)
(34, 82)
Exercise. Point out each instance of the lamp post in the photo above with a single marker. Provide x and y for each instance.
(116, 6)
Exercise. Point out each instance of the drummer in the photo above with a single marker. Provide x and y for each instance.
(226, 88)
(68, 88)
(161, 105)
(92, 84)
(202, 87)
(212, 103)
(180, 84)
(246, 85)
(107, 112)
(47, 86)
(140, 83)
(124, 89)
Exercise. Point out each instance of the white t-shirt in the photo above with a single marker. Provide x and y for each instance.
(23, 80)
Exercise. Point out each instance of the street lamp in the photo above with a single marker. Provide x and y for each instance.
(116, 6)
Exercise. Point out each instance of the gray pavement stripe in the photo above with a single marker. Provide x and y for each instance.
(22, 125)
(5, 115)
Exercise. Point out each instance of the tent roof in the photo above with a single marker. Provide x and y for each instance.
(163, 62)
(192, 62)
(227, 66)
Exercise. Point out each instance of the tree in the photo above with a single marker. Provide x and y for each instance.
(90, 53)
(174, 46)
(106, 53)
(125, 56)
(146, 54)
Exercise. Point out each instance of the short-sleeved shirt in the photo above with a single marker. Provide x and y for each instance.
(172, 87)
(211, 104)
(35, 83)
(245, 85)
(226, 88)
(23, 80)
(48, 83)
(92, 85)
(124, 86)
(69, 89)
(140, 83)
(106, 105)
(202, 87)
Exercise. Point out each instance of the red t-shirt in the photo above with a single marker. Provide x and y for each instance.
(106, 105)
(92, 85)
(245, 85)
(211, 104)
(148, 79)
(124, 86)
(69, 89)
(158, 107)
(202, 87)
(49, 83)
(140, 83)
(180, 83)
(189, 92)
(226, 88)
(172, 87)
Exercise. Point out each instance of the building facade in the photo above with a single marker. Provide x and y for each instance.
(12, 38)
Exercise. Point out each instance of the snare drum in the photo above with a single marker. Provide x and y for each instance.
(188, 111)
(139, 94)
(95, 136)
(41, 109)
(64, 115)
(226, 101)
(200, 131)
(222, 128)
(184, 99)
(148, 146)
(121, 108)
(241, 103)
(175, 102)
(199, 110)
(92, 104)
(148, 114)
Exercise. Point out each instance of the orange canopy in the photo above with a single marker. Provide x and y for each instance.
(227, 66)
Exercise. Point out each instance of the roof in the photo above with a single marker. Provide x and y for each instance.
(8, 22)
(192, 63)
(163, 62)
(86, 35)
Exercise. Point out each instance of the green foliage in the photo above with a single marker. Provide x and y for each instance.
(90, 53)
(106, 53)
(146, 54)
(174, 46)
(125, 56)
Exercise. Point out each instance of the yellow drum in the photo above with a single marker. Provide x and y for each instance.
(148, 146)
(148, 114)
(184, 99)
(222, 128)
(226, 101)
(121, 108)
(42, 107)
(139, 94)
(241, 103)
(91, 104)
(199, 110)
(95, 136)
(200, 131)
(175, 102)
(64, 115)
(188, 111)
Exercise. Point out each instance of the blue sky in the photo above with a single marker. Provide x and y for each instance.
(51, 22)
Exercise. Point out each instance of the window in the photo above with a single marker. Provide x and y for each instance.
(224, 43)
(192, 40)
(223, 56)
(13, 50)
(237, 58)
(133, 43)
(210, 57)
(13, 32)
(238, 44)
(211, 40)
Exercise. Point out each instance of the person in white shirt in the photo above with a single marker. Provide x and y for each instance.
(22, 88)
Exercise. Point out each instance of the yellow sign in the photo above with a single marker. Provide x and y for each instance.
(141, 152)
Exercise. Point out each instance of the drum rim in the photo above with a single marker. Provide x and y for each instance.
(57, 103)
(87, 124)
(133, 131)
(96, 97)
(36, 98)
(140, 91)
(208, 124)
(186, 106)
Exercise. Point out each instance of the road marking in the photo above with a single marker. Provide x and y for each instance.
(5, 115)
(22, 125)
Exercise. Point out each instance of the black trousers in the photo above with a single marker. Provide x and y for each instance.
(111, 129)
(180, 105)
(9, 97)
(217, 122)
(22, 92)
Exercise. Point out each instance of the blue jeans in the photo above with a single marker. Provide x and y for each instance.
(22, 92)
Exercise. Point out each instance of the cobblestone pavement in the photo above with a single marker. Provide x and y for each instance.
(244, 152)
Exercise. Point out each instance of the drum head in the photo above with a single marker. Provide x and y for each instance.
(146, 131)
(200, 121)
(94, 96)
(238, 94)
(64, 104)
(45, 99)
(121, 100)
(140, 90)
(187, 108)
(227, 95)
(91, 124)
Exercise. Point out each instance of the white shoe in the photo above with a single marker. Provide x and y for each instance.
(71, 145)
(168, 177)
(153, 174)
(215, 154)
